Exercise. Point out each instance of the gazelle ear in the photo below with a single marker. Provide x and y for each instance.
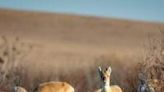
(109, 70)
(99, 69)
(100, 72)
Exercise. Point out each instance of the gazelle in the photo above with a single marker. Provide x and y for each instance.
(105, 78)
(54, 87)
(144, 86)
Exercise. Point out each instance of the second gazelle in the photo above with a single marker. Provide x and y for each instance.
(54, 87)
(105, 78)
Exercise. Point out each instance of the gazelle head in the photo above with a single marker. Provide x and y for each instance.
(142, 78)
(105, 75)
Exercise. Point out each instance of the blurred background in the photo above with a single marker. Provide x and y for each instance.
(52, 40)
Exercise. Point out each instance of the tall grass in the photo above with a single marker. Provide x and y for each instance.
(86, 79)
(82, 79)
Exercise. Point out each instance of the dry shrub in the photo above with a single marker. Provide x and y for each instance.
(11, 53)
(152, 67)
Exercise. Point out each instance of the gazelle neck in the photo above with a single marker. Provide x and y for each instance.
(106, 87)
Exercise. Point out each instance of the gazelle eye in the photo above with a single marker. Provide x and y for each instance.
(103, 78)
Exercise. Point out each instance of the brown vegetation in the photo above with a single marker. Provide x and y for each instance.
(86, 78)
(74, 56)
(152, 66)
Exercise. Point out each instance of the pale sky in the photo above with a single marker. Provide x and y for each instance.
(146, 10)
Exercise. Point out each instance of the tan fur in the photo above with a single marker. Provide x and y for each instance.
(115, 88)
(55, 87)
(19, 89)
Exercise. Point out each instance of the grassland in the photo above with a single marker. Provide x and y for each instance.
(70, 48)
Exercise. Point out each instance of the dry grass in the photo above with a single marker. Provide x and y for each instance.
(151, 67)
(84, 77)
(75, 47)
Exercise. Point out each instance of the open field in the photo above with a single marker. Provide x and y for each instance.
(70, 48)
